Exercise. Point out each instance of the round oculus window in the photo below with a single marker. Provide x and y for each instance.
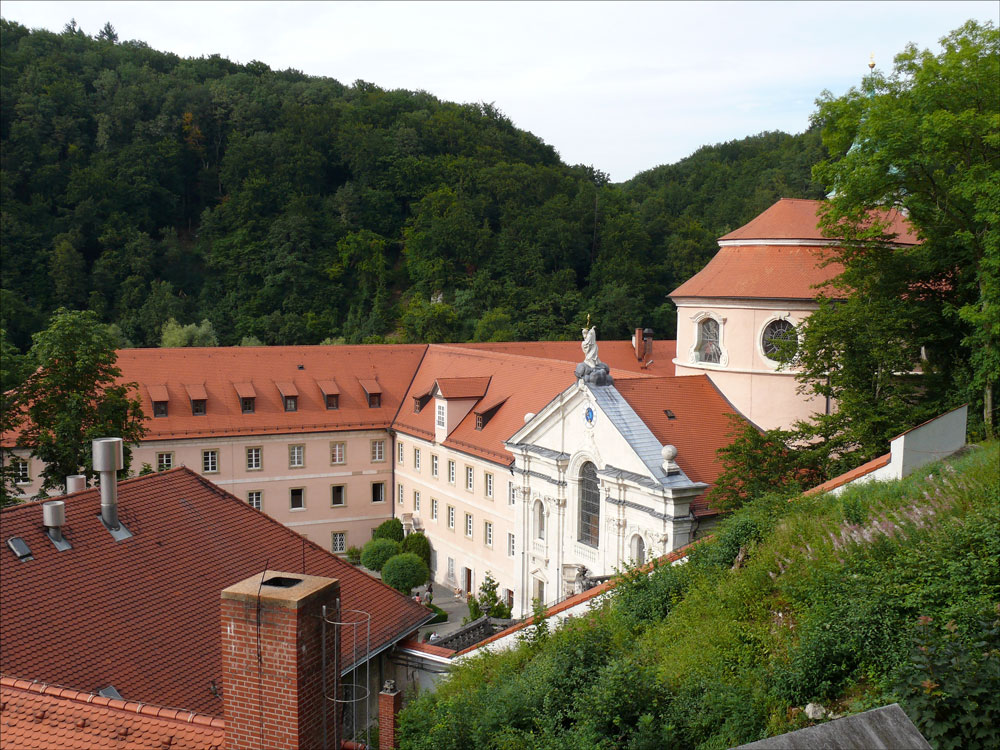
(773, 340)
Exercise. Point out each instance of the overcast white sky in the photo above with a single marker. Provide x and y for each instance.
(621, 86)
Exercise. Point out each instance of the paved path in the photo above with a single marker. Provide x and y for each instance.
(454, 605)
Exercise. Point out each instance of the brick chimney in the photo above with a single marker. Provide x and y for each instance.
(390, 700)
(639, 345)
(272, 657)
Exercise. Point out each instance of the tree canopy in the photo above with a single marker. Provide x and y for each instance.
(924, 141)
(290, 209)
(73, 397)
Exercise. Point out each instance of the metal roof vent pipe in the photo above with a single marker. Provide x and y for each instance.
(54, 518)
(109, 458)
(75, 483)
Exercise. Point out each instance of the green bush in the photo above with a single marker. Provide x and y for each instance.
(354, 555)
(391, 529)
(419, 545)
(378, 551)
(404, 572)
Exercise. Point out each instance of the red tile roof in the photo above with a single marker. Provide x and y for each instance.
(751, 268)
(796, 219)
(509, 376)
(618, 355)
(762, 272)
(143, 614)
(35, 715)
(463, 387)
(229, 373)
(850, 476)
(699, 428)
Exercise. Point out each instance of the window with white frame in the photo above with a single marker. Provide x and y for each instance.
(164, 461)
(434, 509)
(378, 492)
(511, 493)
(539, 514)
(451, 568)
(296, 456)
(296, 498)
(434, 465)
(416, 500)
(338, 541)
(510, 545)
(489, 486)
(21, 473)
(468, 525)
(338, 495)
(253, 498)
(209, 462)
(254, 461)
(416, 459)
(338, 453)
(399, 453)
(470, 478)
(451, 472)
(488, 533)
(590, 506)
(378, 451)
(451, 517)
(440, 415)
(399, 494)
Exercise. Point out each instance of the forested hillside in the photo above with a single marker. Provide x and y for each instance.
(292, 209)
(887, 593)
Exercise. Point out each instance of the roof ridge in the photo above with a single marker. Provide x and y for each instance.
(136, 707)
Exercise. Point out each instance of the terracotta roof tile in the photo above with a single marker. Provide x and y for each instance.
(850, 476)
(196, 391)
(286, 389)
(329, 387)
(463, 387)
(224, 371)
(699, 427)
(158, 393)
(618, 355)
(762, 272)
(39, 715)
(143, 614)
(797, 219)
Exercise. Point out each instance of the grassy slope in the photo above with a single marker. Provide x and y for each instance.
(829, 605)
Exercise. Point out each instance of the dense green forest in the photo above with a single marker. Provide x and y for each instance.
(286, 209)
(886, 593)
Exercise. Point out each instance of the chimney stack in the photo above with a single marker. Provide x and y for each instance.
(75, 483)
(390, 700)
(109, 458)
(275, 644)
(639, 345)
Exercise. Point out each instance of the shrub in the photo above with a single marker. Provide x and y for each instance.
(419, 545)
(354, 555)
(378, 551)
(488, 603)
(404, 572)
(391, 529)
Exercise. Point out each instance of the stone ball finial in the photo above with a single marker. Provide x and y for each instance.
(669, 453)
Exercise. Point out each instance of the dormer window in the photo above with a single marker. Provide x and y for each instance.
(440, 415)
(331, 393)
(419, 402)
(247, 396)
(248, 404)
(373, 391)
(289, 396)
(198, 407)
(332, 401)
(480, 421)
(485, 413)
(199, 398)
(159, 408)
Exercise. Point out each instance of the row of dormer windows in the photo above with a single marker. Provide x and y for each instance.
(248, 404)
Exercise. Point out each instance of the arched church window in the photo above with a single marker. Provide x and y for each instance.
(638, 550)
(590, 505)
(539, 513)
(778, 340)
(708, 341)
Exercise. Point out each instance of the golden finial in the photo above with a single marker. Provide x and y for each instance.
(871, 61)
(588, 320)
